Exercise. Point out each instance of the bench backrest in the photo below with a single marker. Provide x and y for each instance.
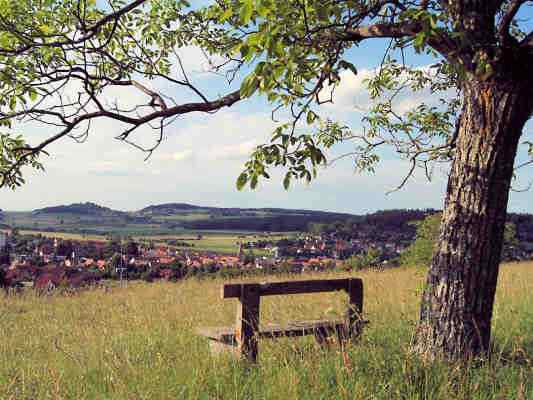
(235, 290)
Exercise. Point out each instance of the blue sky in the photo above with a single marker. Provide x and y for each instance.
(203, 154)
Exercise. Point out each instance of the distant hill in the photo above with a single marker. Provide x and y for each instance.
(173, 208)
(169, 209)
(172, 218)
(195, 217)
(88, 209)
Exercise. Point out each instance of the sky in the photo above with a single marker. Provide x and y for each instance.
(202, 155)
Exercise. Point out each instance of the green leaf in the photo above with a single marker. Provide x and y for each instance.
(242, 180)
(347, 65)
(247, 9)
(45, 29)
(311, 117)
(287, 180)
(253, 182)
(226, 14)
(249, 86)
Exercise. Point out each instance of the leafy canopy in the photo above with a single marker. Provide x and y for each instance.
(292, 52)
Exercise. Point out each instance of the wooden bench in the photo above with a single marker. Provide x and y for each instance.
(243, 337)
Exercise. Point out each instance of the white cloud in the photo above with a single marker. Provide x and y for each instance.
(182, 155)
(352, 95)
(195, 61)
(237, 151)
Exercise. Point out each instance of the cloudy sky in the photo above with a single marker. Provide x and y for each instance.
(202, 155)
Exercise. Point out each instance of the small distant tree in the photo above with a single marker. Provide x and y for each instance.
(3, 281)
(510, 237)
(316, 228)
(4, 256)
(132, 249)
(421, 250)
(369, 258)
(112, 246)
(116, 261)
(112, 265)
(249, 257)
(65, 248)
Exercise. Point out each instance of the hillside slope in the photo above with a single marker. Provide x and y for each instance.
(138, 342)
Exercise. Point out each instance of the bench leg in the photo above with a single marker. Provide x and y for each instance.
(247, 323)
(322, 336)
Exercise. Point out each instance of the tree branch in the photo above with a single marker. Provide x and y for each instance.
(28, 152)
(88, 32)
(503, 29)
(442, 43)
(527, 42)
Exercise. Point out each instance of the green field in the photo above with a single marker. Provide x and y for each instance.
(138, 342)
(220, 243)
(226, 243)
(65, 235)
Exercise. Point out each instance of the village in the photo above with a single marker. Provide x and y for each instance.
(47, 260)
(46, 263)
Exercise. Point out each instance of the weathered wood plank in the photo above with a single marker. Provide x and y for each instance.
(247, 322)
(354, 314)
(300, 328)
(291, 287)
(226, 334)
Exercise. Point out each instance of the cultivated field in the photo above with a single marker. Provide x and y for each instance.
(219, 242)
(65, 235)
(138, 343)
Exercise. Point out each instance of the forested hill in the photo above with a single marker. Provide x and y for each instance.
(173, 217)
(173, 208)
(239, 219)
(399, 225)
(87, 208)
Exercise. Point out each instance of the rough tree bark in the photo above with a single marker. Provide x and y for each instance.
(457, 304)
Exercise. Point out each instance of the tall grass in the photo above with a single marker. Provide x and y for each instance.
(138, 343)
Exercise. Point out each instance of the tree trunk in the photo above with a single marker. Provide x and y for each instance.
(457, 304)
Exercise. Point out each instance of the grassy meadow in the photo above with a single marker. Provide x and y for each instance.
(137, 342)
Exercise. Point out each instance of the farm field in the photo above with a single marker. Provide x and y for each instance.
(138, 342)
(65, 235)
(216, 242)
(219, 242)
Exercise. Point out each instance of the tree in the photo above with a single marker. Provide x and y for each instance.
(295, 53)
(112, 247)
(113, 265)
(420, 252)
(369, 258)
(65, 248)
(5, 259)
(132, 249)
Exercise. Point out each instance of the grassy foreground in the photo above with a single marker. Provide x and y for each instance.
(138, 343)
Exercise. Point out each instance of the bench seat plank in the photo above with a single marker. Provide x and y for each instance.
(226, 334)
